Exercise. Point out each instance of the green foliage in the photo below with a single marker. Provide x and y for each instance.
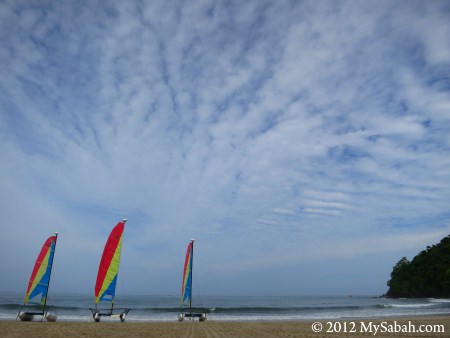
(427, 275)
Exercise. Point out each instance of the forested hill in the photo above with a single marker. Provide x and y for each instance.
(427, 275)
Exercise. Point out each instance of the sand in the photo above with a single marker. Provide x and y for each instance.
(230, 329)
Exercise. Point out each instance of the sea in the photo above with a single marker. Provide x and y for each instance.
(145, 308)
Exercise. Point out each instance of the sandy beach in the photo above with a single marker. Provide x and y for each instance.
(209, 329)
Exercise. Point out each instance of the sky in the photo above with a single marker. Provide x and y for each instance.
(305, 145)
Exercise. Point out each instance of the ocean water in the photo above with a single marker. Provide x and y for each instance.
(75, 307)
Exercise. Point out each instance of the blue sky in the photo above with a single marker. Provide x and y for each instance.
(305, 145)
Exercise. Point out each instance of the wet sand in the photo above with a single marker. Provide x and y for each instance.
(211, 329)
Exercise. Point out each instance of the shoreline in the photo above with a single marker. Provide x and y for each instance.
(439, 326)
(107, 320)
(131, 320)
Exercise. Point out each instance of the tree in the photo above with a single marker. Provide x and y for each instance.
(399, 284)
(427, 275)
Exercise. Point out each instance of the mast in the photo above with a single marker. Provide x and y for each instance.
(117, 276)
(190, 272)
(124, 220)
(51, 268)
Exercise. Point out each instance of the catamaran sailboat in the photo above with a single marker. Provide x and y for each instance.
(186, 287)
(105, 287)
(35, 303)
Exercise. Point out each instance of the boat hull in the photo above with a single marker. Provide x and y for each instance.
(25, 316)
(29, 316)
(97, 314)
(201, 316)
(51, 317)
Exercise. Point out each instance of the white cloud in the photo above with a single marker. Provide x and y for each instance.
(253, 128)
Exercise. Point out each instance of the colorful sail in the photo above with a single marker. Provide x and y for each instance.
(186, 287)
(105, 287)
(40, 276)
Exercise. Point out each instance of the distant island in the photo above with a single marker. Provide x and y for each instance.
(426, 276)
